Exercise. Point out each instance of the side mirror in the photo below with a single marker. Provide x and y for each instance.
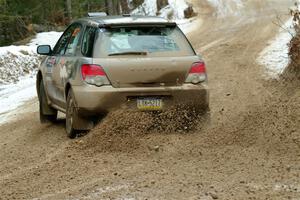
(44, 50)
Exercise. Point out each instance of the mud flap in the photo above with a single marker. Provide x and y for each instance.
(47, 110)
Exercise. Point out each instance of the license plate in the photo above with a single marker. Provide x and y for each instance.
(149, 104)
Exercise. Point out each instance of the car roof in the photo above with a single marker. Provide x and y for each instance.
(124, 20)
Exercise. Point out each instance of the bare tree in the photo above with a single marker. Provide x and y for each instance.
(68, 9)
(109, 7)
(124, 7)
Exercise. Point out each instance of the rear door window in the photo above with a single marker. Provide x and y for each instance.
(73, 41)
(88, 41)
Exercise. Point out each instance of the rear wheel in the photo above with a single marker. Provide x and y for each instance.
(75, 123)
(71, 113)
(47, 113)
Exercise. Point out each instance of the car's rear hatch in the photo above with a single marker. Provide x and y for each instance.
(147, 72)
(144, 55)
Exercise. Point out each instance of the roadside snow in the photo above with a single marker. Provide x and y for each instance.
(41, 38)
(19, 61)
(14, 95)
(275, 56)
(18, 65)
(49, 38)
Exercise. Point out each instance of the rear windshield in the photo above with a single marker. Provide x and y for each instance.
(152, 41)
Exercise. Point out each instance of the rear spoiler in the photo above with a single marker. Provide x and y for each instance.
(121, 25)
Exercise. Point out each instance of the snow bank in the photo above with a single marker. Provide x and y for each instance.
(18, 61)
(18, 65)
(15, 64)
(227, 7)
(275, 56)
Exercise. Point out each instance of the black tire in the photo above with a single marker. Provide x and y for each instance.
(71, 114)
(75, 123)
(47, 113)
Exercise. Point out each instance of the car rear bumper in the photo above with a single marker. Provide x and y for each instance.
(93, 100)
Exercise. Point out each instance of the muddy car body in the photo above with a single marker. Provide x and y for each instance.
(102, 63)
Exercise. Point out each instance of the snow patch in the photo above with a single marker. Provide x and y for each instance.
(49, 38)
(177, 7)
(174, 11)
(14, 95)
(149, 8)
(275, 56)
(227, 7)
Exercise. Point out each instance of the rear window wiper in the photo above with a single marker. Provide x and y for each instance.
(129, 53)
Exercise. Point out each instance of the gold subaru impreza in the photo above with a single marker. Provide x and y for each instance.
(103, 62)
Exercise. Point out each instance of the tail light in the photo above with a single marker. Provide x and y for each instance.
(197, 73)
(94, 75)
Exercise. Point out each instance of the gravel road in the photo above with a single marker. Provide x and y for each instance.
(249, 150)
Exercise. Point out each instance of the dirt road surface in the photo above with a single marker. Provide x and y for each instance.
(249, 150)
